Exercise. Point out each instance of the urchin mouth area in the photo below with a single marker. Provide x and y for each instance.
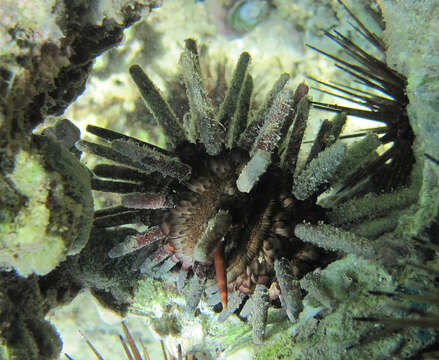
(210, 193)
(251, 229)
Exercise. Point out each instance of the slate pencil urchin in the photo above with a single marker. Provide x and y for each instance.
(223, 201)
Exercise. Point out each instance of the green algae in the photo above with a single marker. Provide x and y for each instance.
(151, 290)
(25, 244)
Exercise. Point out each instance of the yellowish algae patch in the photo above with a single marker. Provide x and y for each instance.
(52, 216)
(26, 243)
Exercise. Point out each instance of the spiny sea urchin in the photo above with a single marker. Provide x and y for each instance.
(212, 203)
(227, 198)
(379, 96)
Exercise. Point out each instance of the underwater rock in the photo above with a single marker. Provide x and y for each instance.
(24, 333)
(336, 296)
(46, 199)
(111, 281)
(48, 54)
(46, 208)
(50, 207)
(415, 54)
(66, 133)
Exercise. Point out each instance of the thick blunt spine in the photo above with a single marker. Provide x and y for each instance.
(239, 120)
(291, 294)
(201, 108)
(319, 172)
(229, 105)
(194, 292)
(371, 206)
(235, 301)
(120, 187)
(253, 170)
(270, 134)
(106, 152)
(328, 134)
(136, 242)
(249, 135)
(158, 106)
(258, 316)
(117, 172)
(266, 142)
(209, 240)
(359, 155)
(147, 200)
(293, 139)
(333, 239)
(149, 160)
(110, 135)
(122, 218)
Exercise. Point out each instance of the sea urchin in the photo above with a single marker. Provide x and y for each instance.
(222, 202)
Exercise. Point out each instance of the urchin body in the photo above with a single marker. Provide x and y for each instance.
(226, 199)
(257, 229)
(218, 205)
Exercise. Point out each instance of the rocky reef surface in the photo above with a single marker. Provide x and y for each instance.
(47, 52)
